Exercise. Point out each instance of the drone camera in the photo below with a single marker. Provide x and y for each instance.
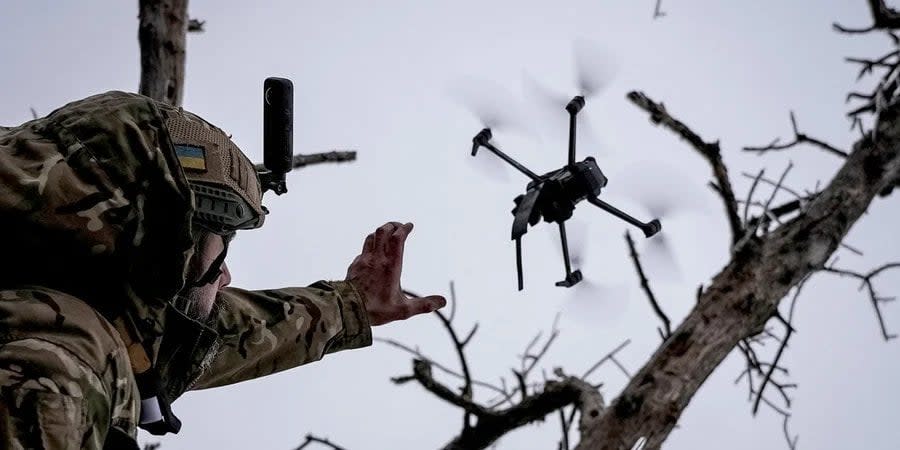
(593, 178)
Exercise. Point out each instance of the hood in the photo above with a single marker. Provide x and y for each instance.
(94, 203)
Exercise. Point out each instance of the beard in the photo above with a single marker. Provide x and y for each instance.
(197, 302)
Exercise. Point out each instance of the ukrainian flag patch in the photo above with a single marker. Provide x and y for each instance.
(191, 157)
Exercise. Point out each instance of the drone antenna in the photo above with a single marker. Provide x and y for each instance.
(573, 108)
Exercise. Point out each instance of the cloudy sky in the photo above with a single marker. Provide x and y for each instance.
(379, 77)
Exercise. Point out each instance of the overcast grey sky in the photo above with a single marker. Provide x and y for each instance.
(374, 76)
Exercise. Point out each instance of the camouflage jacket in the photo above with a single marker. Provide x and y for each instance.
(96, 217)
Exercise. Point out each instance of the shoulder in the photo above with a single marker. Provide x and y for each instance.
(57, 329)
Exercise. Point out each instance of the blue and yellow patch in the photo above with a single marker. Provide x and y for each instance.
(191, 157)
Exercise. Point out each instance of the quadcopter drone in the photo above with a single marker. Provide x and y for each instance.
(554, 195)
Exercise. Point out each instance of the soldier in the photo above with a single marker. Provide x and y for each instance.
(117, 213)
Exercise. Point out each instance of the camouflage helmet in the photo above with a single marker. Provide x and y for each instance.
(226, 187)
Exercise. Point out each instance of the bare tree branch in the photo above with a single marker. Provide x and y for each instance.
(799, 138)
(459, 345)
(315, 158)
(746, 293)
(419, 355)
(767, 378)
(866, 281)
(196, 26)
(608, 357)
(883, 17)
(422, 374)
(556, 395)
(869, 65)
(300, 160)
(750, 196)
(709, 150)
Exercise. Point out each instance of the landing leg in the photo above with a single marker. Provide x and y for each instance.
(519, 261)
(572, 278)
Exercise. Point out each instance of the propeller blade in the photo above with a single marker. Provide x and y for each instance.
(549, 108)
(492, 104)
(550, 112)
(658, 259)
(593, 303)
(595, 67)
(589, 142)
(488, 164)
(664, 190)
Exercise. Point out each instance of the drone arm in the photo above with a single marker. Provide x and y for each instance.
(649, 228)
(573, 108)
(511, 161)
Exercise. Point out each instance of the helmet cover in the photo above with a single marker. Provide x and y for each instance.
(227, 193)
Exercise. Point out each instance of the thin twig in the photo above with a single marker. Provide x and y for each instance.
(324, 441)
(196, 26)
(437, 365)
(777, 186)
(866, 280)
(657, 11)
(459, 345)
(883, 17)
(564, 442)
(799, 138)
(768, 377)
(750, 195)
(609, 356)
(645, 285)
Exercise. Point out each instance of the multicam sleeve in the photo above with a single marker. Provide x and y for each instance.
(267, 331)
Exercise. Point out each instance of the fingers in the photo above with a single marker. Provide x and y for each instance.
(388, 239)
(382, 234)
(397, 240)
(369, 244)
(423, 305)
(376, 241)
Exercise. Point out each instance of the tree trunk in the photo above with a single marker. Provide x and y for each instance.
(161, 34)
(745, 295)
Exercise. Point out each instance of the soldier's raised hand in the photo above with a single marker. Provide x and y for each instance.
(376, 273)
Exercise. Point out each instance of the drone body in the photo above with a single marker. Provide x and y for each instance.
(554, 195)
